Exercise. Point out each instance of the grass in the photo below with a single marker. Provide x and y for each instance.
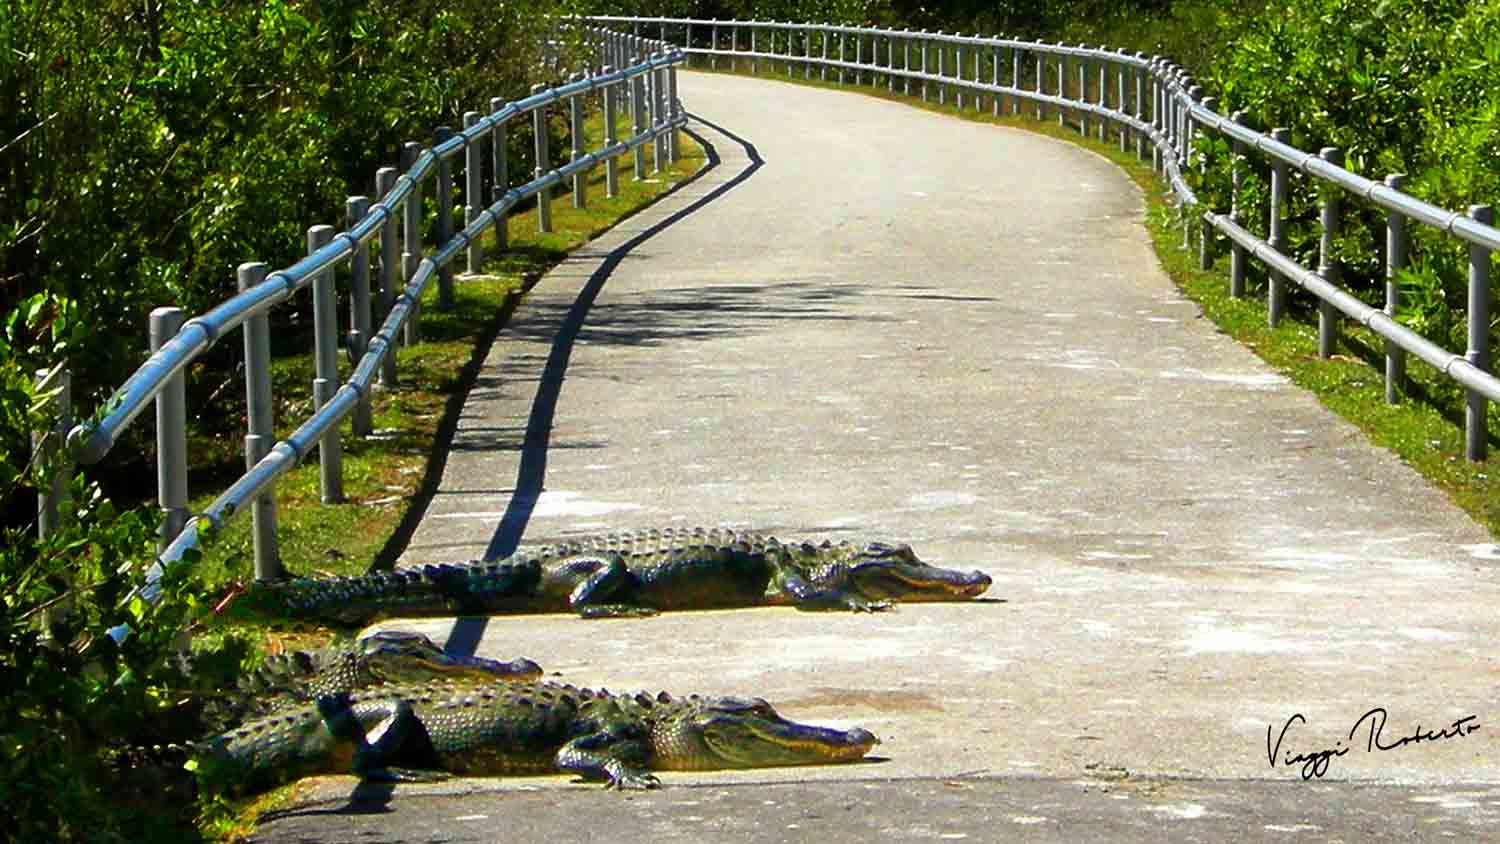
(1425, 429)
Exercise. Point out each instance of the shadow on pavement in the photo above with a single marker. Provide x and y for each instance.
(467, 632)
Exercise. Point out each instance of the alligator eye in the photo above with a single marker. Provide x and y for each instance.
(761, 707)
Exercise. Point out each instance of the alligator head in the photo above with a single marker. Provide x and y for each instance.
(895, 573)
(397, 656)
(733, 732)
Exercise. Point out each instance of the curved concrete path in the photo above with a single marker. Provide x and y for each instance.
(871, 321)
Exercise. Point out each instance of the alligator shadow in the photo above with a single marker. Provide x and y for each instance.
(366, 798)
(467, 632)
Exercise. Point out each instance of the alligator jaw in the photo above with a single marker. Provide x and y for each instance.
(749, 734)
(914, 583)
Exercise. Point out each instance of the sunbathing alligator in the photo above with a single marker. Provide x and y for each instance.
(385, 657)
(424, 731)
(632, 574)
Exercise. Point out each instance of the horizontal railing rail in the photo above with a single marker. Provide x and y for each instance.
(645, 85)
(1158, 104)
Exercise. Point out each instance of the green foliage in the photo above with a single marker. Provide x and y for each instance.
(1400, 86)
(148, 149)
(76, 698)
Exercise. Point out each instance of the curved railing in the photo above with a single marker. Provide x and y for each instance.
(1157, 103)
(646, 86)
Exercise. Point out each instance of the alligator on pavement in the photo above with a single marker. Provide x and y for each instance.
(632, 574)
(385, 657)
(427, 731)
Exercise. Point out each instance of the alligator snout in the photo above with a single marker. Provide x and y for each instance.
(978, 584)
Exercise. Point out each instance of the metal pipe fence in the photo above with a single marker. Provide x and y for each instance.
(400, 285)
(1158, 105)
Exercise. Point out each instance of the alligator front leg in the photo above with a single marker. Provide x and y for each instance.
(807, 596)
(617, 756)
(610, 577)
(371, 761)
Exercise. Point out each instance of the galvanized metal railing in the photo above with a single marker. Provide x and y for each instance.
(1156, 103)
(646, 85)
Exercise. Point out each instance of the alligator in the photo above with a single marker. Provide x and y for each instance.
(385, 657)
(429, 731)
(632, 574)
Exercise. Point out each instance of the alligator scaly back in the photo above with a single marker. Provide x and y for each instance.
(387, 656)
(438, 589)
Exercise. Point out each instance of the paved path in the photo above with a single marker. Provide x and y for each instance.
(871, 321)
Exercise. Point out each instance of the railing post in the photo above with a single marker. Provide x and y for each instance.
(359, 338)
(385, 288)
(978, 94)
(1156, 114)
(500, 164)
(171, 434)
(259, 432)
(1140, 113)
(1236, 181)
(1189, 128)
(1015, 80)
(1168, 102)
(1205, 230)
(48, 447)
(942, 71)
(841, 58)
(612, 164)
(575, 131)
(638, 118)
(890, 60)
(995, 80)
(1328, 266)
(543, 163)
(923, 44)
(326, 369)
(658, 153)
(1276, 295)
(713, 58)
(1476, 426)
(1041, 70)
(1395, 262)
(411, 243)
(859, 48)
(752, 49)
(444, 218)
(958, 74)
(673, 112)
(906, 62)
(355, 210)
(1120, 102)
(823, 43)
(807, 53)
(1103, 99)
(473, 191)
(1083, 94)
(1062, 86)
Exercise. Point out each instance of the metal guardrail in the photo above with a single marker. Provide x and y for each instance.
(1158, 104)
(646, 86)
